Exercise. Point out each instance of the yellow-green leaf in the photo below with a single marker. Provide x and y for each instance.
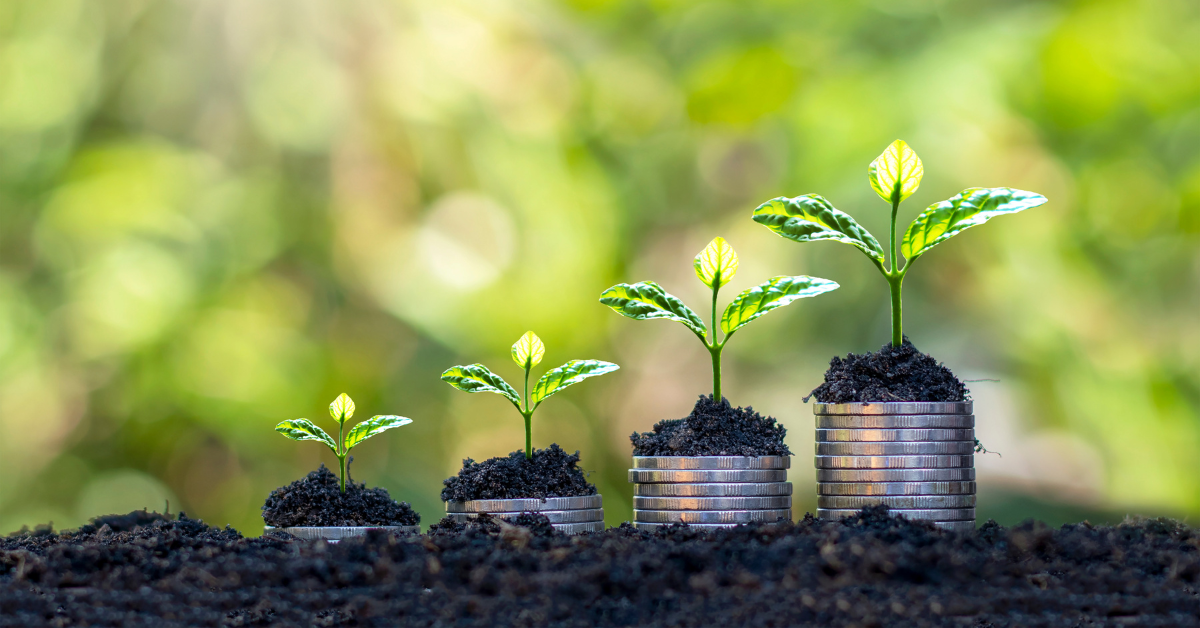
(568, 374)
(973, 206)
(303, 429)
(777, 292)
(342, 408)
(897, 170)
(646, 300)
(810, 217)
(477, 378)
(716, 264)
(528, 350)
(373, 426)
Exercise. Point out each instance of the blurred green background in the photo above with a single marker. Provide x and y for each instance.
(218, 214)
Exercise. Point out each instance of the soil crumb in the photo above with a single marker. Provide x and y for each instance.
(890, 374)
(714, 429)
(317, 500)
(551, 473)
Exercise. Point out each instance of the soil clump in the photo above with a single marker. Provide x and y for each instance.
(714, 429)
(317, 500)
(890, 374)
(551, 472)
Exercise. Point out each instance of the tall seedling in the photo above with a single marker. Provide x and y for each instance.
(894, 176)
(715, 266)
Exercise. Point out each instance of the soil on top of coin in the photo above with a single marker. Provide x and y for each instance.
(891, 374)
(714, 429)
(317, 500)
(551, 472)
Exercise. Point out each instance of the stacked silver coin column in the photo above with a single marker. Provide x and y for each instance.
(709, 491)
(570, 515)
(918, 458)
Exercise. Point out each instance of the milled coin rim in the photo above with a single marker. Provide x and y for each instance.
(646, 525)
(966, 474)
(903, 435)
(777, 502)
(715, 463)
(579, 502)
(927, 448)
(583, 515)
(895, 462)
(711, 516)
(714, 489)
(914, 514)
(910, 502)
(579, 528)
(894, 408)
(894, 422)
(897, 489)
(707, 476)
(334, 533)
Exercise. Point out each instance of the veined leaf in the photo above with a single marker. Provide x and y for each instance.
(716, 264)
(528, 350)
(342, 408)
(777, 292)
(810, 217)
(303, 429)
(973, 206)
(568, 374)
(373, 426)
(646, 300)
(477, 378)
(898, 164)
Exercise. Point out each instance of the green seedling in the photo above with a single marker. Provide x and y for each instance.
(527, 352)
(715, 266)
(894, 176)
(341, 409)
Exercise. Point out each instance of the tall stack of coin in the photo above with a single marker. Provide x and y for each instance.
(569, 515)
(918, 458)
(710, 491)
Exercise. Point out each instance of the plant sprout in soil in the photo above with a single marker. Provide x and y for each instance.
(894, 176)
(527, 352)
(341, 410)
(715, 266)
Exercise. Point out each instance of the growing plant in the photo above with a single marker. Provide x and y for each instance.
(341, 409)
(894, 176)
(527, 352)
(715, 266)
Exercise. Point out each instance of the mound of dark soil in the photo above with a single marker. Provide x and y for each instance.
(551, 473)
(529, 522)
(713, 429)
(317, 500)
(890, 374)
(136, 527)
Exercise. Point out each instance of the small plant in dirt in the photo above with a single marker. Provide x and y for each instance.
(715, 266)
(527, 352)
(342, 409)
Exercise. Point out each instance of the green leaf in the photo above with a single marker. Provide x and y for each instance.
(528, 350)
(716, 264)
(810, 217)
(646, 300)
(342, 408)
(777, 292)
(973, 206)
(477, 378)
(568, 374)
(373, 426)
(898, 167)
(303, 429)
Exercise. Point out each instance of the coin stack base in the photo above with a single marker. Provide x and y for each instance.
(709, 492)
(333, 534)
(569, 515)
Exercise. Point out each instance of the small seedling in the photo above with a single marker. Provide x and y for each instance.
(527, 352)
(894, 176)
(341, 409)
(715, 266)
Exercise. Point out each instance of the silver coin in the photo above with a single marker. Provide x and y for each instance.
(907, 407)
(894, 462)
(942, 448)
(899, 422)
(523, 505)
(887, 436)
(712, 462)
(642, 525)
(922, 514)
(334, 533)
(880, 489)
(894, 475)
(555, 516)
(956, 526)
(578, 528)
(744, 489)
(896, 501)
(710, 516)
(656, 476)
(711, 503)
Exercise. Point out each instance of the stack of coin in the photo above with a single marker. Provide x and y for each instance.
(333, 534)
(917, 458)
(709, 491)
(569, 515)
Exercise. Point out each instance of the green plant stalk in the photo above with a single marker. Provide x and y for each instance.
(341, 455)
(895, 276)
(528, 415)
(714, 348)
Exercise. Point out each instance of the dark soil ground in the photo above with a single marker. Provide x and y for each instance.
(714, 429)
(871, 570)
(889, 374)
(317, 500)
(551, 473)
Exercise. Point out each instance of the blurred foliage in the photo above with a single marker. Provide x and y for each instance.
(216, 215)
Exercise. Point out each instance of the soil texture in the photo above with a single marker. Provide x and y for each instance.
(890, 374)
(317, 500)
(714, 429)
(551, 472)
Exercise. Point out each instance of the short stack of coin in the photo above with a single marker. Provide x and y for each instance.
(569, 515)
(917, 458)
(710, 491)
